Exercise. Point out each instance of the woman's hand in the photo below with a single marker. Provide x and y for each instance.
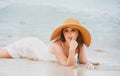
(73, 45)
(90, 66)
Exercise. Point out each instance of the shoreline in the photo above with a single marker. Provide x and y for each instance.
(23, 67)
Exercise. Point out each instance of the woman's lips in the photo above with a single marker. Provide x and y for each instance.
(70, 38)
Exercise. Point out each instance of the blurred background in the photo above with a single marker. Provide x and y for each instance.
(38, 18)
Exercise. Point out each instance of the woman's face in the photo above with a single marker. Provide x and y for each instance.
(70, 33)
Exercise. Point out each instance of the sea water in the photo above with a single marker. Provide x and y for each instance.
(38, 18)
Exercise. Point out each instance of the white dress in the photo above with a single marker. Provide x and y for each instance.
(30, 47)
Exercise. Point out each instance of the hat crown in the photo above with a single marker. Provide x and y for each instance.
(71, 21)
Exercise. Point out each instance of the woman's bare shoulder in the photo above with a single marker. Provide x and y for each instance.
(57, 43)
(54, 46)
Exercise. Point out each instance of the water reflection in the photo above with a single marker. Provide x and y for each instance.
(78, 72)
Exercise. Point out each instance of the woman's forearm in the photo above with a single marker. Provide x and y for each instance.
(83, 60)
(73, 45)
(70, 60)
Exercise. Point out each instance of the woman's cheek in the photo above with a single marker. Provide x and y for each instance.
(75, 37)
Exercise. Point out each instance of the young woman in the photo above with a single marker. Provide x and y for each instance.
(67, 40)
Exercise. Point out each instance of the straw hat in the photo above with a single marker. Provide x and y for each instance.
(72, 23)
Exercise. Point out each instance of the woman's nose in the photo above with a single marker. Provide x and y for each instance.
(70, 33)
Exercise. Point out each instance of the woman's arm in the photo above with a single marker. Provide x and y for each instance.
(82, 57)
(57, 50)
(61, 57)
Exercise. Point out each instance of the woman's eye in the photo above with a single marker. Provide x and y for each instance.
(73, 30)
(65, 31)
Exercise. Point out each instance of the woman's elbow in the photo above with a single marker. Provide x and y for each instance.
(70, 64)
(67, 64)
(83, 62)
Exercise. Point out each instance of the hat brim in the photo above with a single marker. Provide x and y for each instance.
(85, 33)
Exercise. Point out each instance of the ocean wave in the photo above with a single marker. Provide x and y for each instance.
(103, 21)
(70, 6)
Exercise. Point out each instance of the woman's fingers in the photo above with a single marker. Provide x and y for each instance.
(73, 45)
(90, 66)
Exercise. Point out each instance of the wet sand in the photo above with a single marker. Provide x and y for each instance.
(24, 67)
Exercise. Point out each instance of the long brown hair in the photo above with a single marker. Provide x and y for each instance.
(79, 40)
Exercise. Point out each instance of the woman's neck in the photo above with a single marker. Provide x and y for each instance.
(66, 44)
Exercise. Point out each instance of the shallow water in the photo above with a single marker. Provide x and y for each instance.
(24, 67)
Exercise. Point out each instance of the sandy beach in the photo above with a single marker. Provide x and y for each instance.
(23, 67)
(107, 65)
